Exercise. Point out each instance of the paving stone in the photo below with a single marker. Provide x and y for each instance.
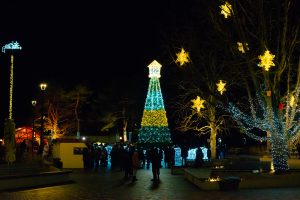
(109, 185)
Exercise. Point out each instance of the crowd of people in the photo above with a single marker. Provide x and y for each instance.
(123, 157)
(129, 158)
(95, 156)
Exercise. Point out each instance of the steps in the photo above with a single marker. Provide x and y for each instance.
(31, 175)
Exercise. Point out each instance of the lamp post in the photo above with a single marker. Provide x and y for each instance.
(33, 103)
(43, 87)
(12, 47)
(9, 135)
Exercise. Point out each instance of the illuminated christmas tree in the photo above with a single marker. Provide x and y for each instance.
(154, 128)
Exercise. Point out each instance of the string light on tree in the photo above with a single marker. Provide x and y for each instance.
(266, 60)
(198, 103)
(242, 48)
(282, 127)
(221, 86)
(182, 57)
(154, 127)
(226, 10)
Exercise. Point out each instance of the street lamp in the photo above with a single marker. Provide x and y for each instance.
(43, 87)
(9, 134)
(33, 103)
(12, 47)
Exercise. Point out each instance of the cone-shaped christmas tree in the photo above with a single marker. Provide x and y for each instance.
(154, 128)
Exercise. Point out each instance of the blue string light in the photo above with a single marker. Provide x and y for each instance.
(268, 120)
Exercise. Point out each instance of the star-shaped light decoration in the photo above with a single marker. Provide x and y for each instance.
(292, 100)
(266, 60)
(221, 86)
(241, 47)
(198, 103)
(182, 57)
(226, 9)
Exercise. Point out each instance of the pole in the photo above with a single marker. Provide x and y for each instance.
(11, 85)
(43, 88)
(33, 102)
(42, 119)
(32, 146)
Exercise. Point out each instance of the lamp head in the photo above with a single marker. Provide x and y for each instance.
(33, 102)
(43, 86)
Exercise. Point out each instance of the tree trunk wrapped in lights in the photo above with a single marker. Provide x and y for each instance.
(10, 141)
(154, 127)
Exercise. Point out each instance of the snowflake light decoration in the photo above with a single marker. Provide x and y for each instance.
(14, 45)
(182, 57)
(226, 9)
(266, 60)
(241, 47)
(221, 86)
(198, 103)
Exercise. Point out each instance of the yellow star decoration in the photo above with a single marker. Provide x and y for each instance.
(266, 60)
(292, 101)
(182, 57)
(241, 47)
(226, 9)
(198, 103)
(221, 87)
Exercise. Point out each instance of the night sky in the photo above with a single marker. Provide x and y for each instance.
(72, 42)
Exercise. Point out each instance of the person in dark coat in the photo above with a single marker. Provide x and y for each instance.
(167, 156)
(23, 148)
(85, 157)
(135, 164)
(148, 158)
(184, 155)
(156, 162)
(199, 157)
(208, 154)
(126, 163)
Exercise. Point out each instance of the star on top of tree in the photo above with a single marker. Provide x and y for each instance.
(241, 47)
(182, 57)
(266, 60)
(221, 86)
(226, 9)
(198, 103)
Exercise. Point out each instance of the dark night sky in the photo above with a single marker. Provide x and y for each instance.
(71, 42)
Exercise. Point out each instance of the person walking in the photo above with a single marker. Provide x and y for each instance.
(155, 160)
